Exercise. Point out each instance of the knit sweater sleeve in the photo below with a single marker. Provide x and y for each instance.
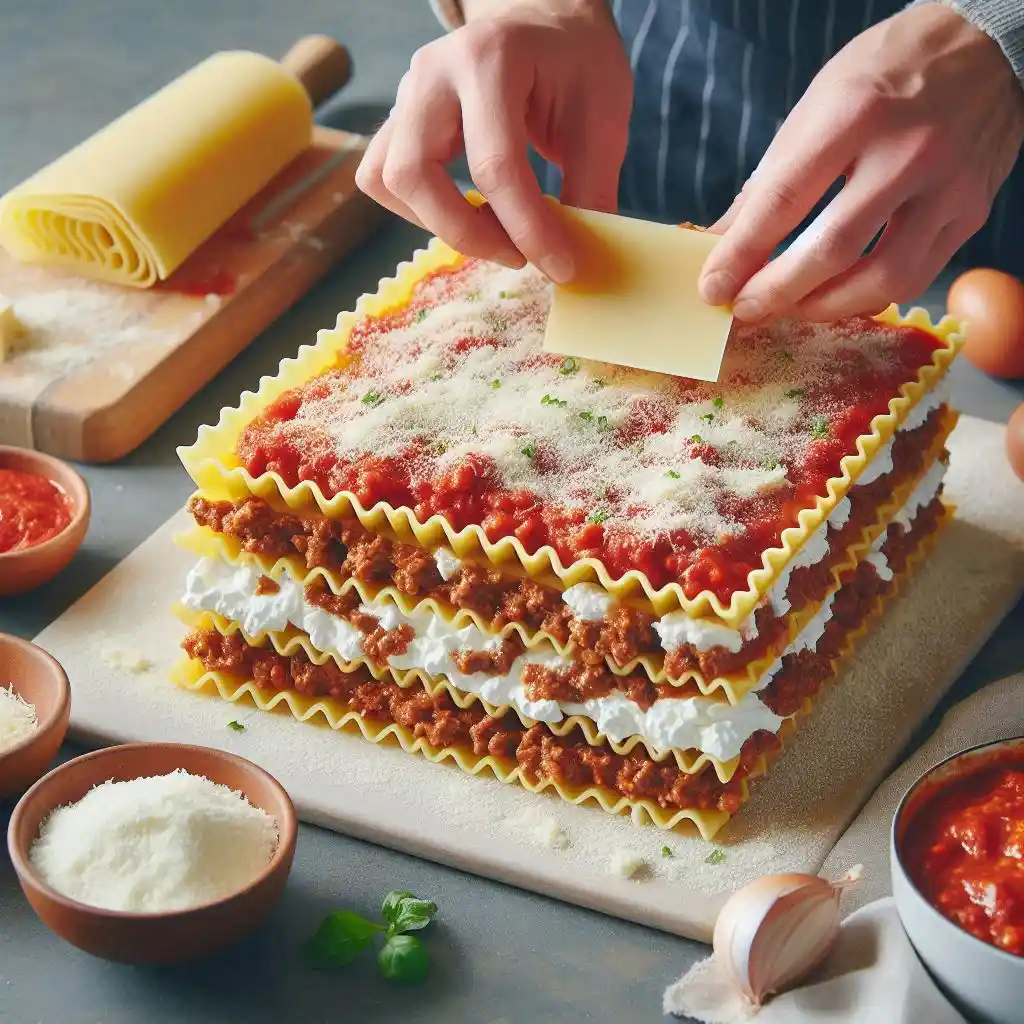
(1003, 20)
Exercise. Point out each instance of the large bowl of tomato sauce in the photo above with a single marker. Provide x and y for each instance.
(957, 858)
(44, 515)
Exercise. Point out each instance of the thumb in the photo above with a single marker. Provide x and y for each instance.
(591, 165)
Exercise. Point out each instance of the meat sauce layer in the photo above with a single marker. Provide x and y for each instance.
(568, 759)
(348, 550)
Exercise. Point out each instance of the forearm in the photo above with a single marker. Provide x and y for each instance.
(1003, 20)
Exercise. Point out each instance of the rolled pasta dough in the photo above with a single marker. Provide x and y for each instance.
(132, 202)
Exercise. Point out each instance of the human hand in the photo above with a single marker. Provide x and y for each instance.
(549, 72)
(923, 117)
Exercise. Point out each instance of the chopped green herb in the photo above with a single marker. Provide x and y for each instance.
(473, 297)
(507, 295)
(718, 402)
(529, 451)
(707, 417)
(433, 376)
(440, 448)
(588, 416)
(672, 473)
(819, 427)
(715, 857)
(666, 852)
(373, 398)
(696, 439)
(601, 493)
(236, 726)
(569, 365)
(421, 315)
(598, 517)
(786, 357)
(495, 383)
(404, 958)
(602, 422)
(600, 382)
(794, 392)
(732, 442)
(550, 400)
(770, 464)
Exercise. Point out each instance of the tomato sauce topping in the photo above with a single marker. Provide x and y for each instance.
(449, 406)
(964, 850)
(32, 510)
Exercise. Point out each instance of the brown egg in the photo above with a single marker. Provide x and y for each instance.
(991, 304)
(1015, 442)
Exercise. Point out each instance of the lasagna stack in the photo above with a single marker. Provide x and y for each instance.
(621, 585)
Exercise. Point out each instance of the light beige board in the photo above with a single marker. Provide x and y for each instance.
(98, 368)
(900, 671)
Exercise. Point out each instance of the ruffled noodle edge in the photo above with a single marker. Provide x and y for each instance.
(190, 675)
(216, 470)
(203, 542)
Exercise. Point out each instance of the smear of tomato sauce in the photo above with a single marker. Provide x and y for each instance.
(964, 850)
(33, 510)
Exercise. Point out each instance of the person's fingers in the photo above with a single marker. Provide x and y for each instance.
(918, 242)
(496, 149)
(831, 243)
(369, 176)
(425, 134)
(784, 191)
(591, 162)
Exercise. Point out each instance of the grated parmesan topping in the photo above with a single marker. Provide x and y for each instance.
(464, 375)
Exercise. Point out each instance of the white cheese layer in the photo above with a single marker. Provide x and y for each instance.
(684, 723)
(701, 723)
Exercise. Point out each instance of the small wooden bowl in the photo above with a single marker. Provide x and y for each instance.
(30, 568)
(152, 938)
(36, 677)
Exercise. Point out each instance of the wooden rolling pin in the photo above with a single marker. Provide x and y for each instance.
(132, 202)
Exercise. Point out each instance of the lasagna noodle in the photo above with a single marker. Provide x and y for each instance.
(734, 685)
(694, 722)
(130, 203)
(192, 675)
(215, 467)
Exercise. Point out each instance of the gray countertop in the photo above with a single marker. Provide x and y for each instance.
(500, 955)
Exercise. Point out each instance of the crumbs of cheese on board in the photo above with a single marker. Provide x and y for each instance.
(17, 718)
(130, 658)
(626, 864)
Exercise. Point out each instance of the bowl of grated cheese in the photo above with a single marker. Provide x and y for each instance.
(35, 705)
(153, 853)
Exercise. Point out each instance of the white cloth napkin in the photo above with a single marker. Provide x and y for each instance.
(873, 974)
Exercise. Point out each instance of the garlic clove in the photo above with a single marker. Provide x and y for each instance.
(773, 932)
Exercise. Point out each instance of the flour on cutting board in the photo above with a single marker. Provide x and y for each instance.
(380, 793)
(64, 330)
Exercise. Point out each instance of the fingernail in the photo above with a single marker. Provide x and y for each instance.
(511, 262)
(717, 288)
(557, 268)
(748, 310)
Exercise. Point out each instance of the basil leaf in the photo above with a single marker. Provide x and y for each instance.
(406, 912)
(404, 958)
(340, 939)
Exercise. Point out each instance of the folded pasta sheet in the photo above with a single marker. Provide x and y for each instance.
(130, 203)
(622, 585)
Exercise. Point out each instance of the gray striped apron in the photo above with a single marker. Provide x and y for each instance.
(714, 80)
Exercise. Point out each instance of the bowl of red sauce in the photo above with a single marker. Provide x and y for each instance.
(957, 858)
(44, 514)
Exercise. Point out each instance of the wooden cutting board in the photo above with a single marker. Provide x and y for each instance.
(99, 368)
(896, 676)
